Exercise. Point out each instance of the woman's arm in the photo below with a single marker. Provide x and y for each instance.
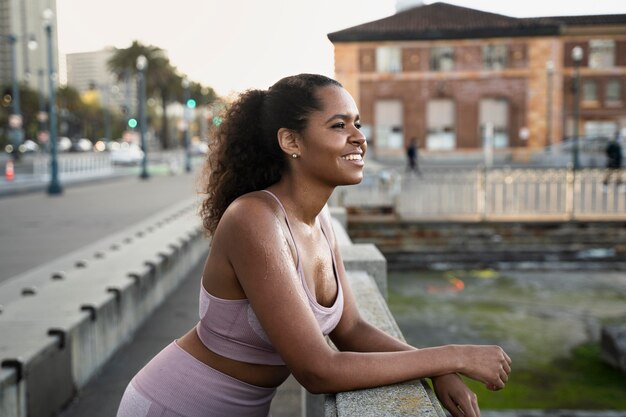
(262, 259)
(356, 334)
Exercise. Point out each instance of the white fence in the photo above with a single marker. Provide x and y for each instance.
(495, 194)
(79, 165)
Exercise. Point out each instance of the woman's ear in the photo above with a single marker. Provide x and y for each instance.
(288, 142)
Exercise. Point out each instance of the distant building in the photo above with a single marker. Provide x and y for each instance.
(88, 73)
(24, 20)
(447, 75)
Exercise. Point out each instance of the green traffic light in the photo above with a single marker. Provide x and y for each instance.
(132, 123)
(191, 103)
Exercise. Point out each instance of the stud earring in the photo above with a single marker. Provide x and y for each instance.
(294, 155)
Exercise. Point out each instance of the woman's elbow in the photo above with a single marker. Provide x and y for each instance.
(316, 379)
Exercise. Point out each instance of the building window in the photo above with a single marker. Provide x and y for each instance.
(494, 56)
(613, 91)
(601, 53)
(442, 58)
(440, 131)
(494, 121)
(590, 90)
(388, 59)
(388, 116)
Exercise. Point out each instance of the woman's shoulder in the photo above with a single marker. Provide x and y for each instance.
(254, 208)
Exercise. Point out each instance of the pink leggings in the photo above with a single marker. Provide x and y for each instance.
(175, 384)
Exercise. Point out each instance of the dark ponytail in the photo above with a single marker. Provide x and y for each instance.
(245, 155)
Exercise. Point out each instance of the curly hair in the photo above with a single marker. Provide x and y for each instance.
(245, 155)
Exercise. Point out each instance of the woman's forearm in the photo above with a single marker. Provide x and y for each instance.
(347, 371)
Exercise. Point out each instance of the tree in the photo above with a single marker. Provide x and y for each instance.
(160, 75)
(162, 80)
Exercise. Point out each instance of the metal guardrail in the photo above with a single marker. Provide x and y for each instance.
(75, 165)
(494, 194)
(100, 164)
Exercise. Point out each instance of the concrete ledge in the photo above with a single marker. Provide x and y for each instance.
(409, 398)
(366, 257)
(61, 322)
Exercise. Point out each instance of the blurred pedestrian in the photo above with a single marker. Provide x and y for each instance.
(613, 161)
(412, 156)
(274, 284)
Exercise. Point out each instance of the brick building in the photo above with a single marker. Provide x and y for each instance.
(450, 76)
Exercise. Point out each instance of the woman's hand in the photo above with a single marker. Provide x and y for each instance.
(455, 396)
(487, 364)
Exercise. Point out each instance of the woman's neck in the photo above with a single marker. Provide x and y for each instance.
(302, 200)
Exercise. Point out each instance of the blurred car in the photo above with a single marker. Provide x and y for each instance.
(29, 146)
(199, 148)
(114, 145)
(126, 155)
(64, 144)
(101, 145)
(592, 144)
(81, 145)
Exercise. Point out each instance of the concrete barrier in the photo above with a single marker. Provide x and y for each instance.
(60, 323)
(367, 272)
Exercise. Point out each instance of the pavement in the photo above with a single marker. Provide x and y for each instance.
(36, 228)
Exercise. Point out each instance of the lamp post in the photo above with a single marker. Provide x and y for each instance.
(142, 63)
(54, 188)
(16, 134)
(549, 83)
(42, 116)
(577, 57)
(186, 124)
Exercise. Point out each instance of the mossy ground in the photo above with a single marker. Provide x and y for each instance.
(549, 326)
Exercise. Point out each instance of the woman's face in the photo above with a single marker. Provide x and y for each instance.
(332, 146)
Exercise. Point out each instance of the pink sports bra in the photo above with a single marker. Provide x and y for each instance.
(231, 329)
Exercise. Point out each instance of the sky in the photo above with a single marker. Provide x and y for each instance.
(233, 45)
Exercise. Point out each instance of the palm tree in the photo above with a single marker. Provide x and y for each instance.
(159, 75)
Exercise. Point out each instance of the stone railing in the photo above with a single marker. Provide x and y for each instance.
(60, 323)
(367, 273)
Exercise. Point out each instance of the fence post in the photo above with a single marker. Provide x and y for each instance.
(570, 178)
(481, 192)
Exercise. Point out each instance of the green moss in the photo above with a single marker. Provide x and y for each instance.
(581, 381)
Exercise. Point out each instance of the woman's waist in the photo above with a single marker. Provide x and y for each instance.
(268, 376)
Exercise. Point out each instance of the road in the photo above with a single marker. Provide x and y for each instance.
(36, 228)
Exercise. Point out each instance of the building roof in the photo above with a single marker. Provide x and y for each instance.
(447, 21)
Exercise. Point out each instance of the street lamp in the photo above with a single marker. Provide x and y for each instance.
(186, 110)
(549, 82)
(577, 57)
(42, 116)
(55, 186)
(16, 134)
(142, 63)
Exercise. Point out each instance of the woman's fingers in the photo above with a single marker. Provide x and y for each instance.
(465, 406)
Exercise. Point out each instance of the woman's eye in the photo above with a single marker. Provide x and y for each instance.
(339, 125)
(357, 125)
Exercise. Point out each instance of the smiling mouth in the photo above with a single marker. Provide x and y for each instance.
(353, 157)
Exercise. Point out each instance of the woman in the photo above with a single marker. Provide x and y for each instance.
(274, 283)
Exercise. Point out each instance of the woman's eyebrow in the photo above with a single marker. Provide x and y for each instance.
(343, 117)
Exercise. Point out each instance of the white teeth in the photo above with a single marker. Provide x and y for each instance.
(352, 157)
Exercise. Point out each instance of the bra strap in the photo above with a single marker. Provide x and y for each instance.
(288, 225)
